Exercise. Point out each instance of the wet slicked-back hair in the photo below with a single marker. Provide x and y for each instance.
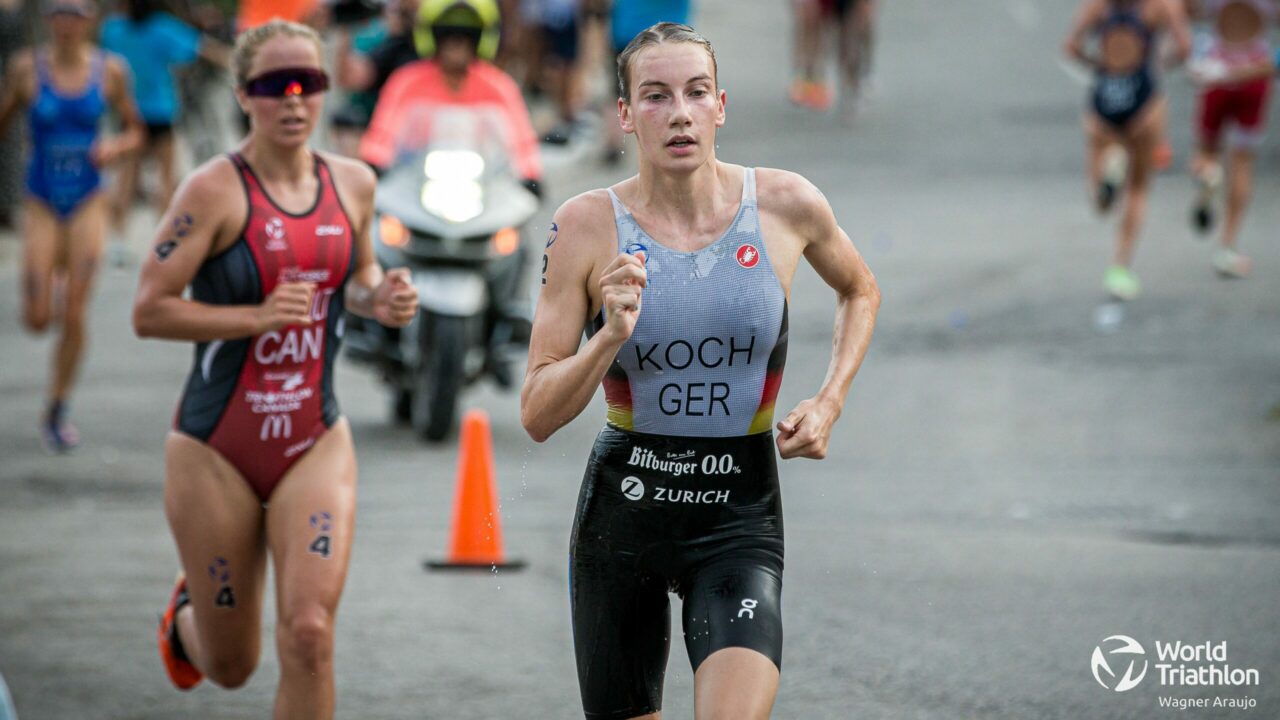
(250, 41)
(663, 32)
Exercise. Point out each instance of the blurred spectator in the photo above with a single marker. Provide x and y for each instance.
(366, 58)
(12, 38)
(628, 19)
(256, 12)
(154, 44)
(853, 23)
(204, 87)
(551, 31)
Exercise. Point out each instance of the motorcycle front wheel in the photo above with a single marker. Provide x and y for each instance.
(438, 380)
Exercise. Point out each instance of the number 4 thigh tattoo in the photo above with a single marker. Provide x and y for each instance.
(322, 544)
(220, 574)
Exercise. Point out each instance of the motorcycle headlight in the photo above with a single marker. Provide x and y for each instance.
(453, 165)
(454, 200)
(452, 189)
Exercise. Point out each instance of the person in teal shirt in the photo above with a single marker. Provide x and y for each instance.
(155, 44)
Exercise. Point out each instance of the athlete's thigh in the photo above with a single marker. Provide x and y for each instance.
(126, 180)
(734, 600)
(165, 149)
(621, 634)
(1144, 134)
(39, 255)
(84, 241)
(311, 523)
(216, 522)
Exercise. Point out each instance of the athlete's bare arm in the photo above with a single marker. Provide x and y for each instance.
(806, 430)
(1179, 27)
(1087, 16)
(206, 217)
(118, 87)
(389, 298)
(18, 87)
(582, 273)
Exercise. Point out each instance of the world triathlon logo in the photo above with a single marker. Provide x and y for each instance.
(1119, 649)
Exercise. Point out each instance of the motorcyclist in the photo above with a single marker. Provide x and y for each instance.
(457, 40)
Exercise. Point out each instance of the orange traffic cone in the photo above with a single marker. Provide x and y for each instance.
(475, 539)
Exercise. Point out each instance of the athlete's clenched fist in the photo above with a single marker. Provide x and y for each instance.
(395, 302)
(288, 304)
(621, 286)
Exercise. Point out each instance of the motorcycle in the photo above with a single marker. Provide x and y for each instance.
(452, 211)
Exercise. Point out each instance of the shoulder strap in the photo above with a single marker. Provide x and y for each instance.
(247, 179)
(619, 210)
(749, 186)
(42, 67)
(98, 71)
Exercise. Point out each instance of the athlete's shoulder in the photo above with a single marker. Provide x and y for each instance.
(351, 175)
(22, 64)
(355, 183)
(586, 213)
(116, 67)
(584, 225)
(788, 194)
(213, 187)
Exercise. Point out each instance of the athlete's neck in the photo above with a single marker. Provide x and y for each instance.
(289, 166)
(694, 198)
(66, 55)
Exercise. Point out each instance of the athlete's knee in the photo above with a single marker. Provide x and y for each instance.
(307, 636)
(230, 670)
(36, 318)
(74, 317)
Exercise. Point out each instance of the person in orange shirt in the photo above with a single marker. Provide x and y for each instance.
(458, 39)
(257, 12)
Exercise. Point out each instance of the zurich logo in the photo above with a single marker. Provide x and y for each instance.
(1122, 646)
(632, 488)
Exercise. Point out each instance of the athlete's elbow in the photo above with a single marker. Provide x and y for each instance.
(143, 321)
(872, 294)
(535, 424)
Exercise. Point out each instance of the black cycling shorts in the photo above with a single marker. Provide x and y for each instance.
(700, 517)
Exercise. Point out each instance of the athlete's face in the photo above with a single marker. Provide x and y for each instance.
(70, 22)
(289, 118)
(675, 106)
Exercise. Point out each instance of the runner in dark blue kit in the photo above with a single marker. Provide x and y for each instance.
(1126, 114)
(274, 242)
(684, 273)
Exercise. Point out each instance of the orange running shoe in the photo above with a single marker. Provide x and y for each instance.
(182, 673)
(819, 96)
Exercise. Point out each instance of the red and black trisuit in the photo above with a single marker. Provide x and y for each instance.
(263, 401)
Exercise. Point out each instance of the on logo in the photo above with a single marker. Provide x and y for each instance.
(748, 256)
(1125, 645)
(632, 488)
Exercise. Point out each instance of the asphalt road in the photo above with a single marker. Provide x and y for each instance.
(1011, 482)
